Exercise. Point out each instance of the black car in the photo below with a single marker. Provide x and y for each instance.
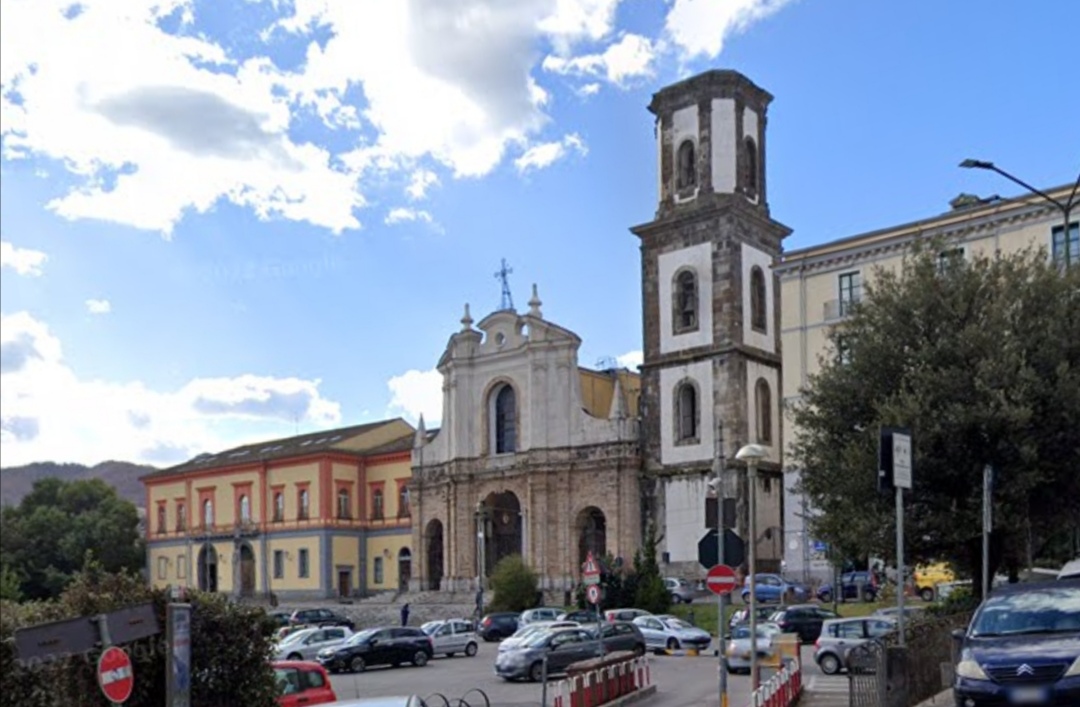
(582, 616)
(1022, 647)
(379, 646)
(803, 619)
(497, 626)
(856, 585)
(320, 617)
(619, 636)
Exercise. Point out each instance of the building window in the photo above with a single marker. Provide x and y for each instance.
(181, 516)
(687, 167)
(279, 506)
(763, 399)
(279, 564)
(303, 503)
(305, 569)
(757, 299)
(343, 505)
(843, 350)
(686, 412)
(686, 302)
(245, 509)
(850, 292)
(181, 566)
(1057, 241)
(161, 519)
(404, 511)
(505, 419)
(378, 571)
(377, 504)
(162, 567)
(949, 260)
(208, 514)
(750, 168)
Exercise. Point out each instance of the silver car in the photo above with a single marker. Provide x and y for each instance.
(451, 637)
(839, 636)
(739, 646)
(306, 643)
(680, 590)
(671, 633)
(526, 632)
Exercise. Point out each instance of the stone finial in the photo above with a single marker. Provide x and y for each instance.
(467, 320)
(421, 434)
(618, 402)
(534, 304)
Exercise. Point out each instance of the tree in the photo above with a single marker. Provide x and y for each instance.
(515, 585)
(46, 539)
(982, 361)
(651, 593)
(9, 584)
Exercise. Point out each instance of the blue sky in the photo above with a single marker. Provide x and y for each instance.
(228, 220)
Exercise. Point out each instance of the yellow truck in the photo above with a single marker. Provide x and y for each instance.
(928, 577)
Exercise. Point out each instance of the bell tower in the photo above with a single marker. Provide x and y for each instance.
(711, 311)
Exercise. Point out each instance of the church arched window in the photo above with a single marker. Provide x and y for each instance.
(687, 414)
(750, 168)
(686, 166)
(504, 419)
(686, 302)
(763, 403)
(758, 317)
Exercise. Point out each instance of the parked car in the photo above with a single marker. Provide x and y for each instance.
(737, 652)
(681, 591)
(838, 636)
(928, 577)
(671, 633)
(561, 647)
(451, 637)
(774, 589)
(803, 619)
(379, 646)
(280, 618)
(494, 627)
(625, 614)
(742, 615)
(619, 636)
(306, 643)
(891, 612)
(526, 632)
(856, 585)
(320, 617)
(540, 613)
(582, 616)
(302, 683)
(1071, 570)
(1022, 646)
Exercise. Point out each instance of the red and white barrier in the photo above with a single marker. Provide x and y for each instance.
(781, 690)
(603, 685)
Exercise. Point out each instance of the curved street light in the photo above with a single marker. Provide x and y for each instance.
(752, 454)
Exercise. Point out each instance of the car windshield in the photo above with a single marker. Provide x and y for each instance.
(743, 631)
(1049, 610)
(677, 624)
(431, 627)
(362, 636)
(538, 638)
(293, 637)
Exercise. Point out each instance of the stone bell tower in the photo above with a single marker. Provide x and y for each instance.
(711, 315)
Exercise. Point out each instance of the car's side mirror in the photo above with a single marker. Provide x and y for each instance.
(958, 634)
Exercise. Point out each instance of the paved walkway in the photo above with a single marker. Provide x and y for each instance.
(825, 691)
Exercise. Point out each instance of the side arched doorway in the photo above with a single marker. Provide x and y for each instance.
(247, 570)
(591, 528)
(433, 536)
(500, 518)
(404, 568)
(207, 563)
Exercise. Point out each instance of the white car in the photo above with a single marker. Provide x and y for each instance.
(306, 643)
(453, 636)
(740, 645)
(671, 633)
(526, 632)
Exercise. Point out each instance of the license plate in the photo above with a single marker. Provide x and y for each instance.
(1028, 696)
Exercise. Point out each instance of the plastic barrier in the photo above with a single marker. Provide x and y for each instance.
(602, 685)
(781, 690)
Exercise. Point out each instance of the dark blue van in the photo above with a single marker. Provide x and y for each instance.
(1022, 647)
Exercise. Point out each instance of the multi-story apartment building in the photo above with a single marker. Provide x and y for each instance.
(819, 285)
(315, 515)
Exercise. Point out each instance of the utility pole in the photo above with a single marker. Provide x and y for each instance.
(721, 599)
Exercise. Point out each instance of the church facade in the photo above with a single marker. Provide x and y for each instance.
(535, 456)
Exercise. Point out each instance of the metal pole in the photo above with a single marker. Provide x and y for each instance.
(900, 563)
(755, 675)
(720, 598)
(988, 479)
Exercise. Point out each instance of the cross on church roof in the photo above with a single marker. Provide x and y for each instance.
(503, 275)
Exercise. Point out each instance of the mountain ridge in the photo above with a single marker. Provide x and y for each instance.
(17, 481)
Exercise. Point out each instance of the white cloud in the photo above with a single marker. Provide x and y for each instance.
(22, 260)
(631, 360)
(417, 392)
(699, 27)
(630, 57)
(406, 215)
(49, 413)
(576, 20)
(421, 181)
(546, 154)
(589, 89)
(98, 306)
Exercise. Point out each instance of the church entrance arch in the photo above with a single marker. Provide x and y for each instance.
(501, 527)
(591, 527)
(247, 570)
(207, 568)
(433, 537)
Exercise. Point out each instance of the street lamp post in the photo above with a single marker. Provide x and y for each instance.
(1066, 208)
(752, 454)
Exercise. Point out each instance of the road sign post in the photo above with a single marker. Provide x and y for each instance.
(590, 572)
(178, 638)
(895, 469)
(115, 675)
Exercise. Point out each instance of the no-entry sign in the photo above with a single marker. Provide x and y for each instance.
(592, 593)
(115, 675)
(720, 579)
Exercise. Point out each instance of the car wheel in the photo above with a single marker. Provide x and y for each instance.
(536, 672)
(829, 664)
(672, 644)
(470, 650)
(825, 597)
(639, 650)
(294, 656)
(357, 664)
(675, 599)
(419, 659)
(927, 594)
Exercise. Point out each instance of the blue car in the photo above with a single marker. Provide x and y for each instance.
(1022, 647)
(852, 583)
(774, 589)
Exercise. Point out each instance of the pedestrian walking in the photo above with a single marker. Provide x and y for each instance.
(405, 615)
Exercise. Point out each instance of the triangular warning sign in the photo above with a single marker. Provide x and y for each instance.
(590, 565)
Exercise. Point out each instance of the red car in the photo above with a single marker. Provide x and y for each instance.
(302, 682)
